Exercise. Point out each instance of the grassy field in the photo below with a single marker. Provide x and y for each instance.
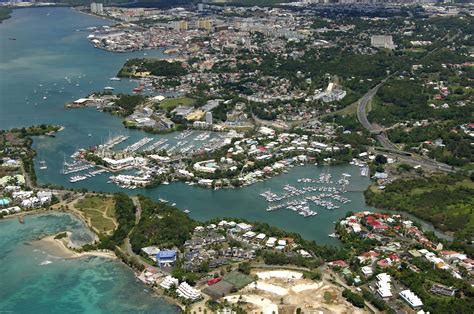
(171, 103)
(99, 211)
(350, 110)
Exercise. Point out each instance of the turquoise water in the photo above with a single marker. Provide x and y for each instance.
(34, 280)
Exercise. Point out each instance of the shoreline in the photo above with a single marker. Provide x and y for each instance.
(93, 15)
(61, 248)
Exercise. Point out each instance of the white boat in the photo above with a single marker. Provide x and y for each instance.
(108, 88)
(114, 79)
(43, 165)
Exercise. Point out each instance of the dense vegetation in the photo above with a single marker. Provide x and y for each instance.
(447, 201)
(400, 100)
(376, 301)
(456, 150)
(161, 225)
(4, 13)
(154, 66)
(353, 298)
(128, 103)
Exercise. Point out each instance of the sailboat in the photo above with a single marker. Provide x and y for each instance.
(43, 165)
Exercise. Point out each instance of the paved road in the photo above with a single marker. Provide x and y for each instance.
(386, 143)
(138, 207)
(362, 108)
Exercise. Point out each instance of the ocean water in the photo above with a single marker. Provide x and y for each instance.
(34, 280)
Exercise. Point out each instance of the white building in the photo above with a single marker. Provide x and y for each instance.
(271, 242)
(266, 131)
(382, 41)
(367, 271)
(243, 226)
(168, 282)
(412, 299)
(117, 164)
(207, 166)
(186, 291)
(383, 286)
(209, 117)
(97, 8)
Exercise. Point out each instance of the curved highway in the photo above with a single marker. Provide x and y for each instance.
(413, 159)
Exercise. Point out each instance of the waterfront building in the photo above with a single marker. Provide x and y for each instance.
(244, 226)
(168, 282)
(97, 8)
(119, 163)
(186, 291)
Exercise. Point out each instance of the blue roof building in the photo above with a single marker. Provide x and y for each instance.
(166, 258)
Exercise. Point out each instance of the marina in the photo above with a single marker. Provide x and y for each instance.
(74, 167)
(184, 135)
(297, 198)
(113, 141)
(136, 146)
(155, 145)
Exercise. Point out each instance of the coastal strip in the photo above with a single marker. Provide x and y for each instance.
(60, 246)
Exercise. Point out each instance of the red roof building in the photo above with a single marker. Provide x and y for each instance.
(370, 254)
(338, 263)
(377, 225)
(386, 262)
